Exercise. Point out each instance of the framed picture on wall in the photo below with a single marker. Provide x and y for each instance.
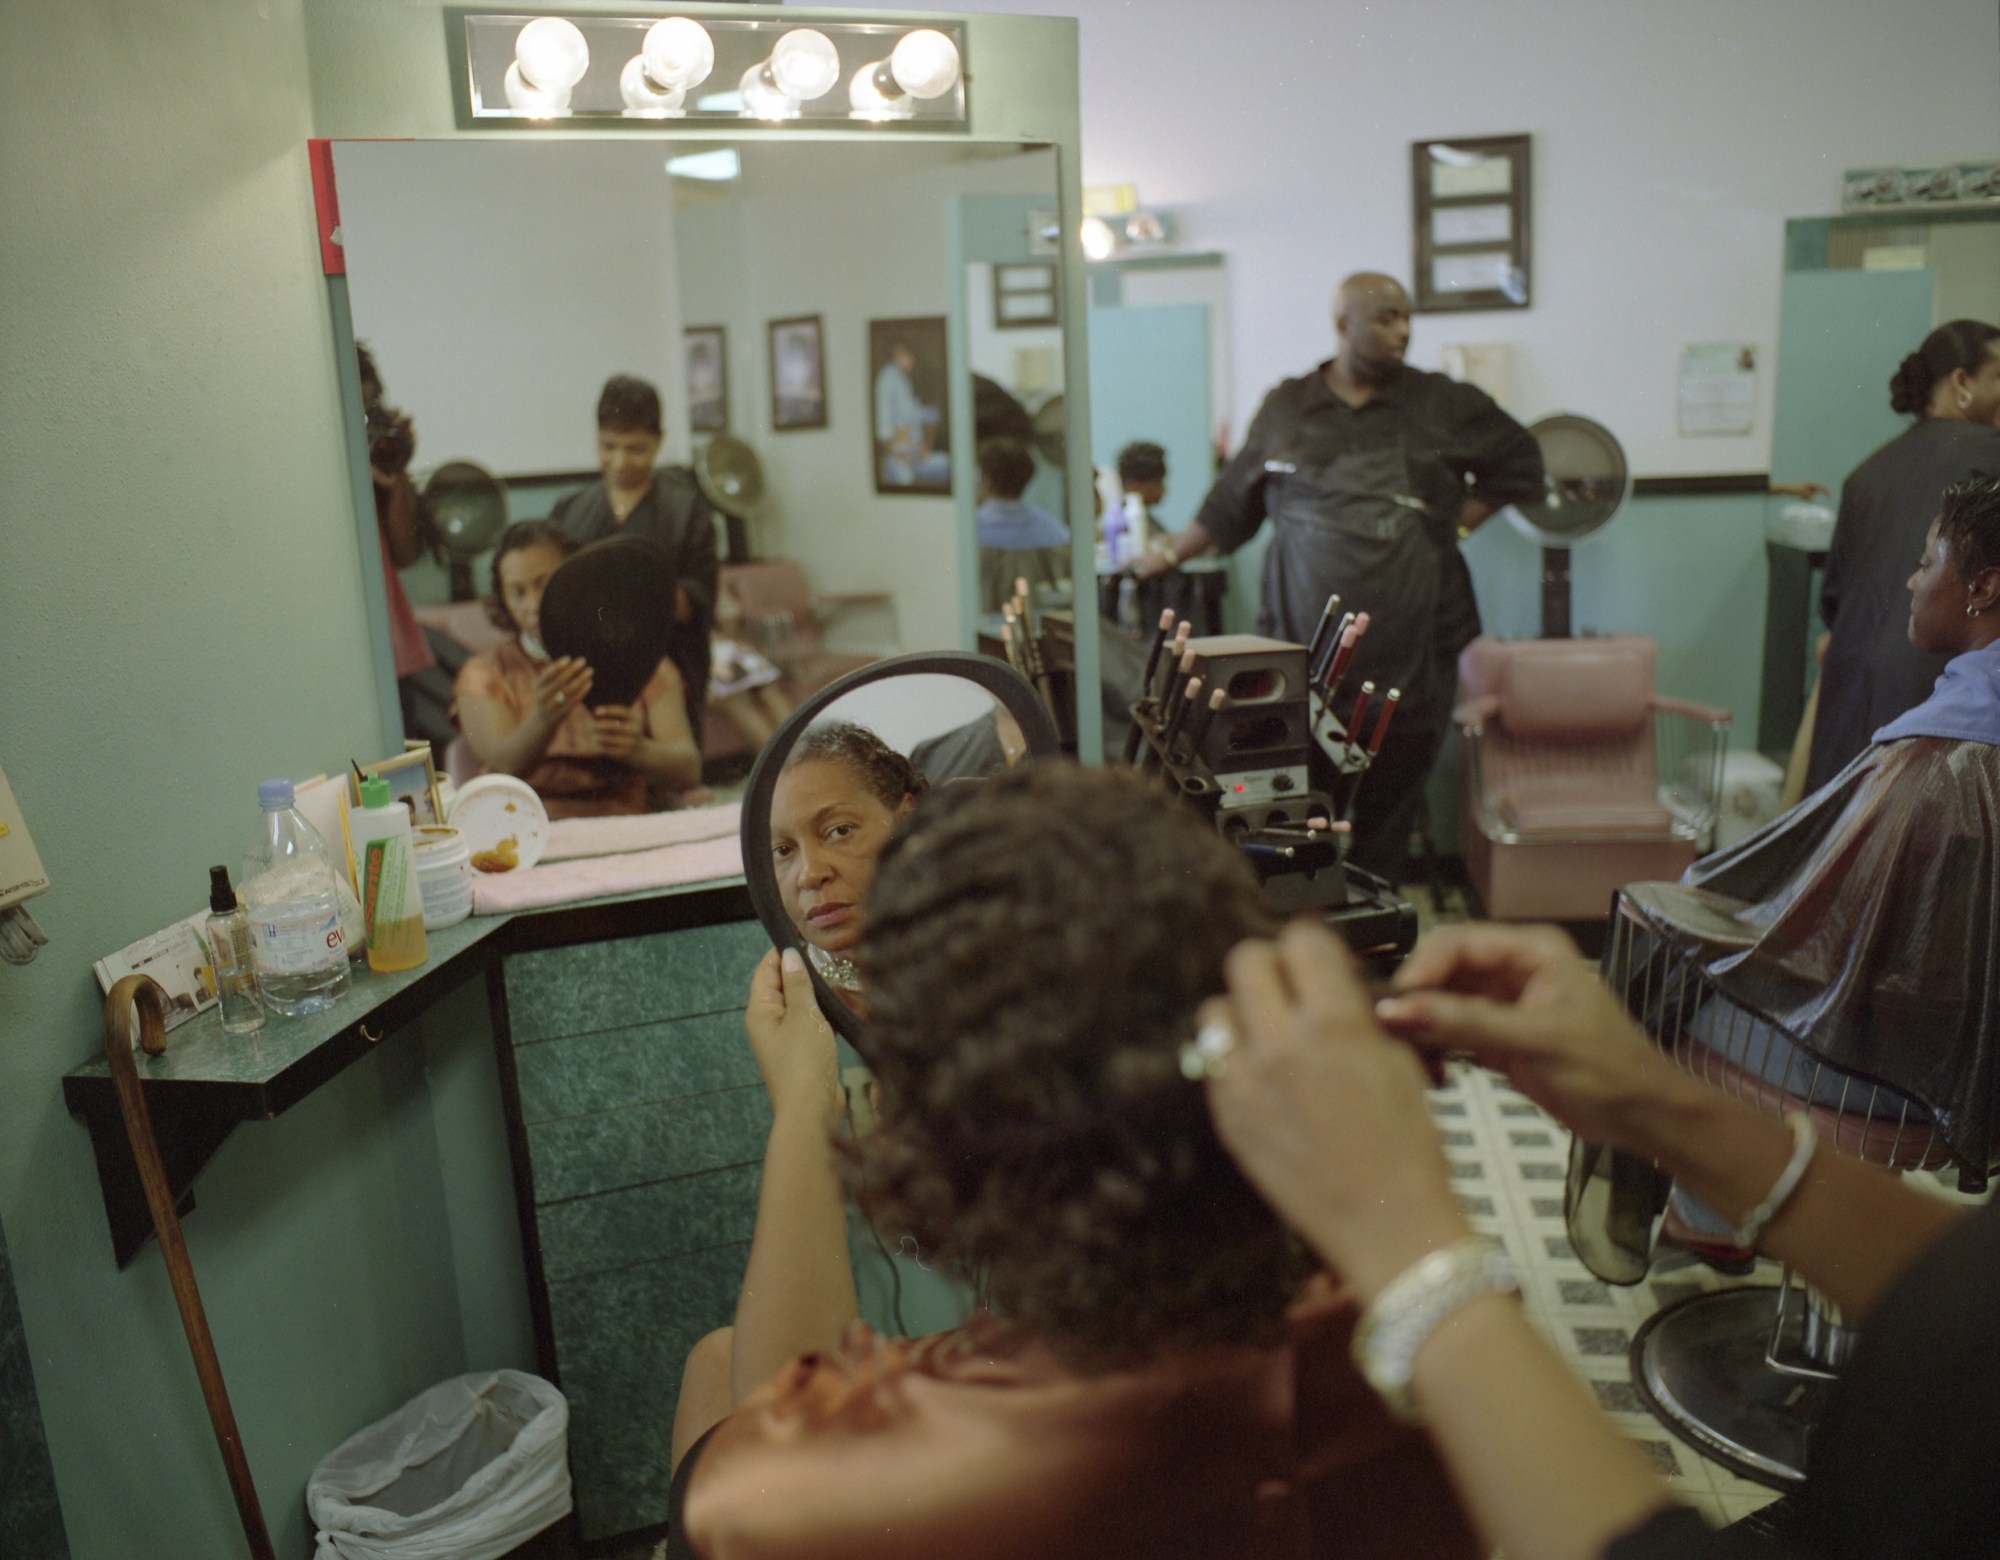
(1024, 295)
(1469, 200)
(798, 373)
(705, 359)
(908, 407)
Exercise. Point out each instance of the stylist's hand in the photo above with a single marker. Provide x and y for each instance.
(560, 686)
(619, 729)
(792, 1041)
(1324, 1112)
(1525, 1002)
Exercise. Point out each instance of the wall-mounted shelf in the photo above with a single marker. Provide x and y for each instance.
(206, 1082)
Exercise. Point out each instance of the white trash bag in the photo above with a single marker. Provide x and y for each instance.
(466, 1471)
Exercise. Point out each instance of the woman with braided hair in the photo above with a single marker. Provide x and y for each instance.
(841, 792)
(1160, 1372)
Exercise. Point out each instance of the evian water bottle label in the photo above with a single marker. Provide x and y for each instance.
(297, 944)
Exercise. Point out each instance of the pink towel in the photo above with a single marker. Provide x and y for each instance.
(571, 837)
(596, 877)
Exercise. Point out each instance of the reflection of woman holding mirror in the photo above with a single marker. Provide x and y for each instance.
(841, 793)
(527, 715)
(1160, 1372)
(659, 504)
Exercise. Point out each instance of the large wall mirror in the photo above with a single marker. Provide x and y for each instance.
(830, 329)
(1860, 292)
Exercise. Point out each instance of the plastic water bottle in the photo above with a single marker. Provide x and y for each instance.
(295, 931)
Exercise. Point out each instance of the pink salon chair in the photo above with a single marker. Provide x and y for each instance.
(1577, 776)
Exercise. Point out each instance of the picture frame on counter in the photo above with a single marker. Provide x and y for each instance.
(413, 781)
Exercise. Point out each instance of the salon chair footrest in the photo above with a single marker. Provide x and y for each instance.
(1699, 1366)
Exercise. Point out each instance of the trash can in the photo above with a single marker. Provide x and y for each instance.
(466, 1471)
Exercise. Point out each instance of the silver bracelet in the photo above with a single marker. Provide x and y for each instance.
(1804, 1141)
(1407, 1311)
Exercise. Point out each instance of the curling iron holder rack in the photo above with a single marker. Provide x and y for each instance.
(1248, 749)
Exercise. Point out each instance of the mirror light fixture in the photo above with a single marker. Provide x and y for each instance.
(757, 66)
(803, 66)
(923, 65)
(677, 56)
(550, 58)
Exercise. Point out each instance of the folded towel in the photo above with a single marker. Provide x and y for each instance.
(572, 837)
(596, 877)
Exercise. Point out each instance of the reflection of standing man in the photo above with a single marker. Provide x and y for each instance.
(1369, 472)
(403, 527)
(661, 505)
(905, 428)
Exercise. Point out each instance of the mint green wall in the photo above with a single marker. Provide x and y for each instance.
(181, 615)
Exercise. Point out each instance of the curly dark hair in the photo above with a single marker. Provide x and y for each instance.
(1007, 466)
(518, 537)
(1953, 345)
(1037, 947)
(887, 774)
(1142, 461)
(1969, 522)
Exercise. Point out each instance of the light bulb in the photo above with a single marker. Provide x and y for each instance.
(925, 63)
(873, 94)
(761, 97)
(1097, 239)
(552, 54)
(805, 64)
(679, 53)
(636, 87)
(526, 98)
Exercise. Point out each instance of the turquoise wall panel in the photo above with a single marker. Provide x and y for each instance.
(1840, 336)
(1149, 380)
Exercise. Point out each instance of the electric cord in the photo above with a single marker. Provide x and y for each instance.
(895, 1281)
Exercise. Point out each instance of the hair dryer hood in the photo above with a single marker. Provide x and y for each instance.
(468, 504)
(1588, 482)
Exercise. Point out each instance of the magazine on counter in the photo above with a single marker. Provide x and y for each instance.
(176, 959)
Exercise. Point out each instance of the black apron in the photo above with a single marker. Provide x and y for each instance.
(1355, 527)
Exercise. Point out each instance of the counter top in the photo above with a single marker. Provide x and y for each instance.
(206, 1081)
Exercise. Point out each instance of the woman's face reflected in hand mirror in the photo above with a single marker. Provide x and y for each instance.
(845, 770)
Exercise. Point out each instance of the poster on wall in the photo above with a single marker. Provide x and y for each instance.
(1718, 388)
(909, 412)
(798, 374)
(706, 361)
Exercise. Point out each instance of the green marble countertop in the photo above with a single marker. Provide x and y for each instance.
(260, 1074)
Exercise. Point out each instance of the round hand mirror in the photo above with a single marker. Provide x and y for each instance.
(848, 765)
(612, 605)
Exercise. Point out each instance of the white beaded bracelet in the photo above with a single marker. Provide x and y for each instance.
(1413, 1303)
(1804, 1141)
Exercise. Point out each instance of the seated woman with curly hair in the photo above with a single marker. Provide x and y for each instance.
(1160, 1372)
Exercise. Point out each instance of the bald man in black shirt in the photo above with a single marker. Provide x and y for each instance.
(1370, 472)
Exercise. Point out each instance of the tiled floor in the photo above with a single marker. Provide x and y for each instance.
(1507, 1159)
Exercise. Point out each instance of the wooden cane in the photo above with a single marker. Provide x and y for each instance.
(145, 994)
